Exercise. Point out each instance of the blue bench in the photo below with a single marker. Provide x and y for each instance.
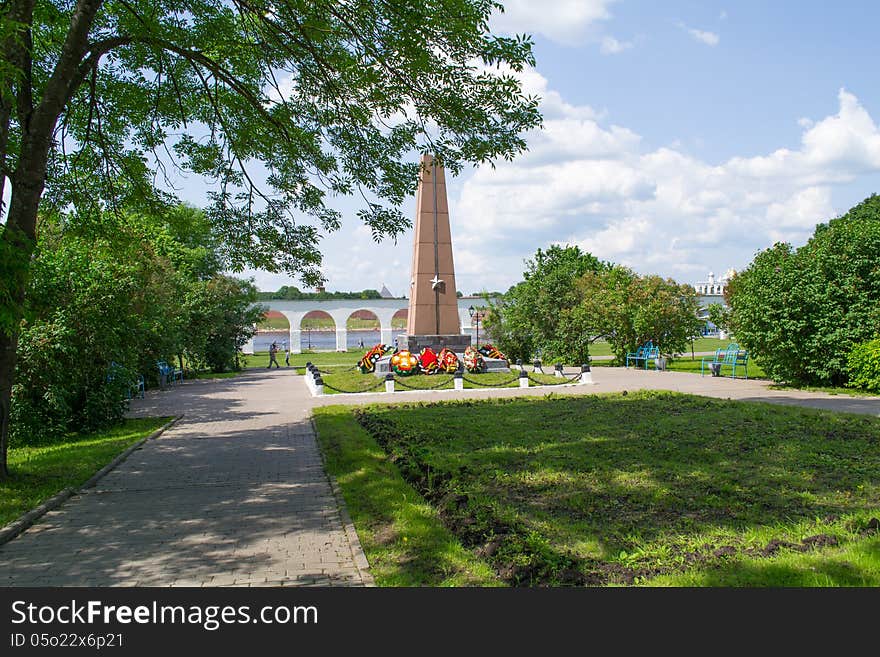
(137, 385)
(647, 352)
(732, 356)
(168, 373)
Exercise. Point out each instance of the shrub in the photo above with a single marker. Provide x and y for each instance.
(801, 311)
(863, 365)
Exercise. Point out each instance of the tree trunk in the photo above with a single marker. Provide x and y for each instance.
(19, 242)
(7, 364)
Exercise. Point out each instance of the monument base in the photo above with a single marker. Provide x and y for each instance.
(456, 343)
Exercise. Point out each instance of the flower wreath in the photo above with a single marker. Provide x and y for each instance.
(473, 360)
(367, 364)
(491, 351)
(404, 363)
(428, 362)
(447, 360)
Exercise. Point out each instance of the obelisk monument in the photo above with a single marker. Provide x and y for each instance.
(433, 319)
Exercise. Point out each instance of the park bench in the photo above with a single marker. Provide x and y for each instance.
(137, 386)
(168, 373)
(732, 356)
(647, 352)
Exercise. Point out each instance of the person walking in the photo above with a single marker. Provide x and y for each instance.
(273, 355)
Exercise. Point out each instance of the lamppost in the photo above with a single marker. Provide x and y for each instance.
(476, 316)
(309, 331)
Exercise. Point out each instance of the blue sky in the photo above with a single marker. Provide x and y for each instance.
(680, 137)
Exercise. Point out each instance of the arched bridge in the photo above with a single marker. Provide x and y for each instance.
(341, 309)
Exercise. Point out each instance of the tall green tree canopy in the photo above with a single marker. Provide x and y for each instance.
(537, 312)
(99, 97)
(569, 299)
(801, 311)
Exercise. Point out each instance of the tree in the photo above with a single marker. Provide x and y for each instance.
(570, 299)
(220, 317)
(65, 380)
(330, 97)
(802, 311)
(537, 312)
(719, 316)
(627, 310)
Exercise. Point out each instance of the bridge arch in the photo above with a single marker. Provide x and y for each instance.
(341, 309)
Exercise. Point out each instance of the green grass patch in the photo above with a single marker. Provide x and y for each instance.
(831, 390)
(403, 537)
(38, 473)
(320, 358)
(623, 489)
(602, 348)
(685, 364)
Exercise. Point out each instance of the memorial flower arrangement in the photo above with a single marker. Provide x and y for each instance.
(473, 360)
(428, 362)
(404, 363)
(447, 360)
(491, 351)
(367, 364)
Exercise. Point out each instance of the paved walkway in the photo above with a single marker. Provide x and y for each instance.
(235, 494)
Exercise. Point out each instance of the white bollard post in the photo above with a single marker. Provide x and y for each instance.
(458, 381)
(389, 382)
(557, 371)
(319, 386)
(523, 379)
(586, 375)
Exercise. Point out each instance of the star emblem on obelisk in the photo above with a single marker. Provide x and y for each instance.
(436, 282)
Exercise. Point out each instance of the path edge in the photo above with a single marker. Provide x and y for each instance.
(354, 541)
(16, 527)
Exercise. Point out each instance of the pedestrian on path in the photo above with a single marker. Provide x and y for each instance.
(273, 353)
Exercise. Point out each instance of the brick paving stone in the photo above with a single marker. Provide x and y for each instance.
(233, 494)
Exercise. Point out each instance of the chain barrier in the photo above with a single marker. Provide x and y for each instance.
(439, 385)
(346, 370)
(563, 382)
(491, 385)
(370, 389)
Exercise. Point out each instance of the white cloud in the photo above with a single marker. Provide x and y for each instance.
(565, 21)
(703, 36)
(588, 183)
(611, 46)
(660, 210)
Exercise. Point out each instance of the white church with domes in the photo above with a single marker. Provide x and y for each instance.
(711, 291)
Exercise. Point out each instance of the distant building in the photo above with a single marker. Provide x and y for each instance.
(712, 287)
(386, 293)
(711, 291)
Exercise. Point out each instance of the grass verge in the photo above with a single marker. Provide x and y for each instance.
(403, 538)
(352, 382)
(38, 473)
(646, 488)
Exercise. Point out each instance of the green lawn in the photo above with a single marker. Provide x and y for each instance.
(649, 488)
(403, 536)
(602, 348)
(321, 358)
(38, 473)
